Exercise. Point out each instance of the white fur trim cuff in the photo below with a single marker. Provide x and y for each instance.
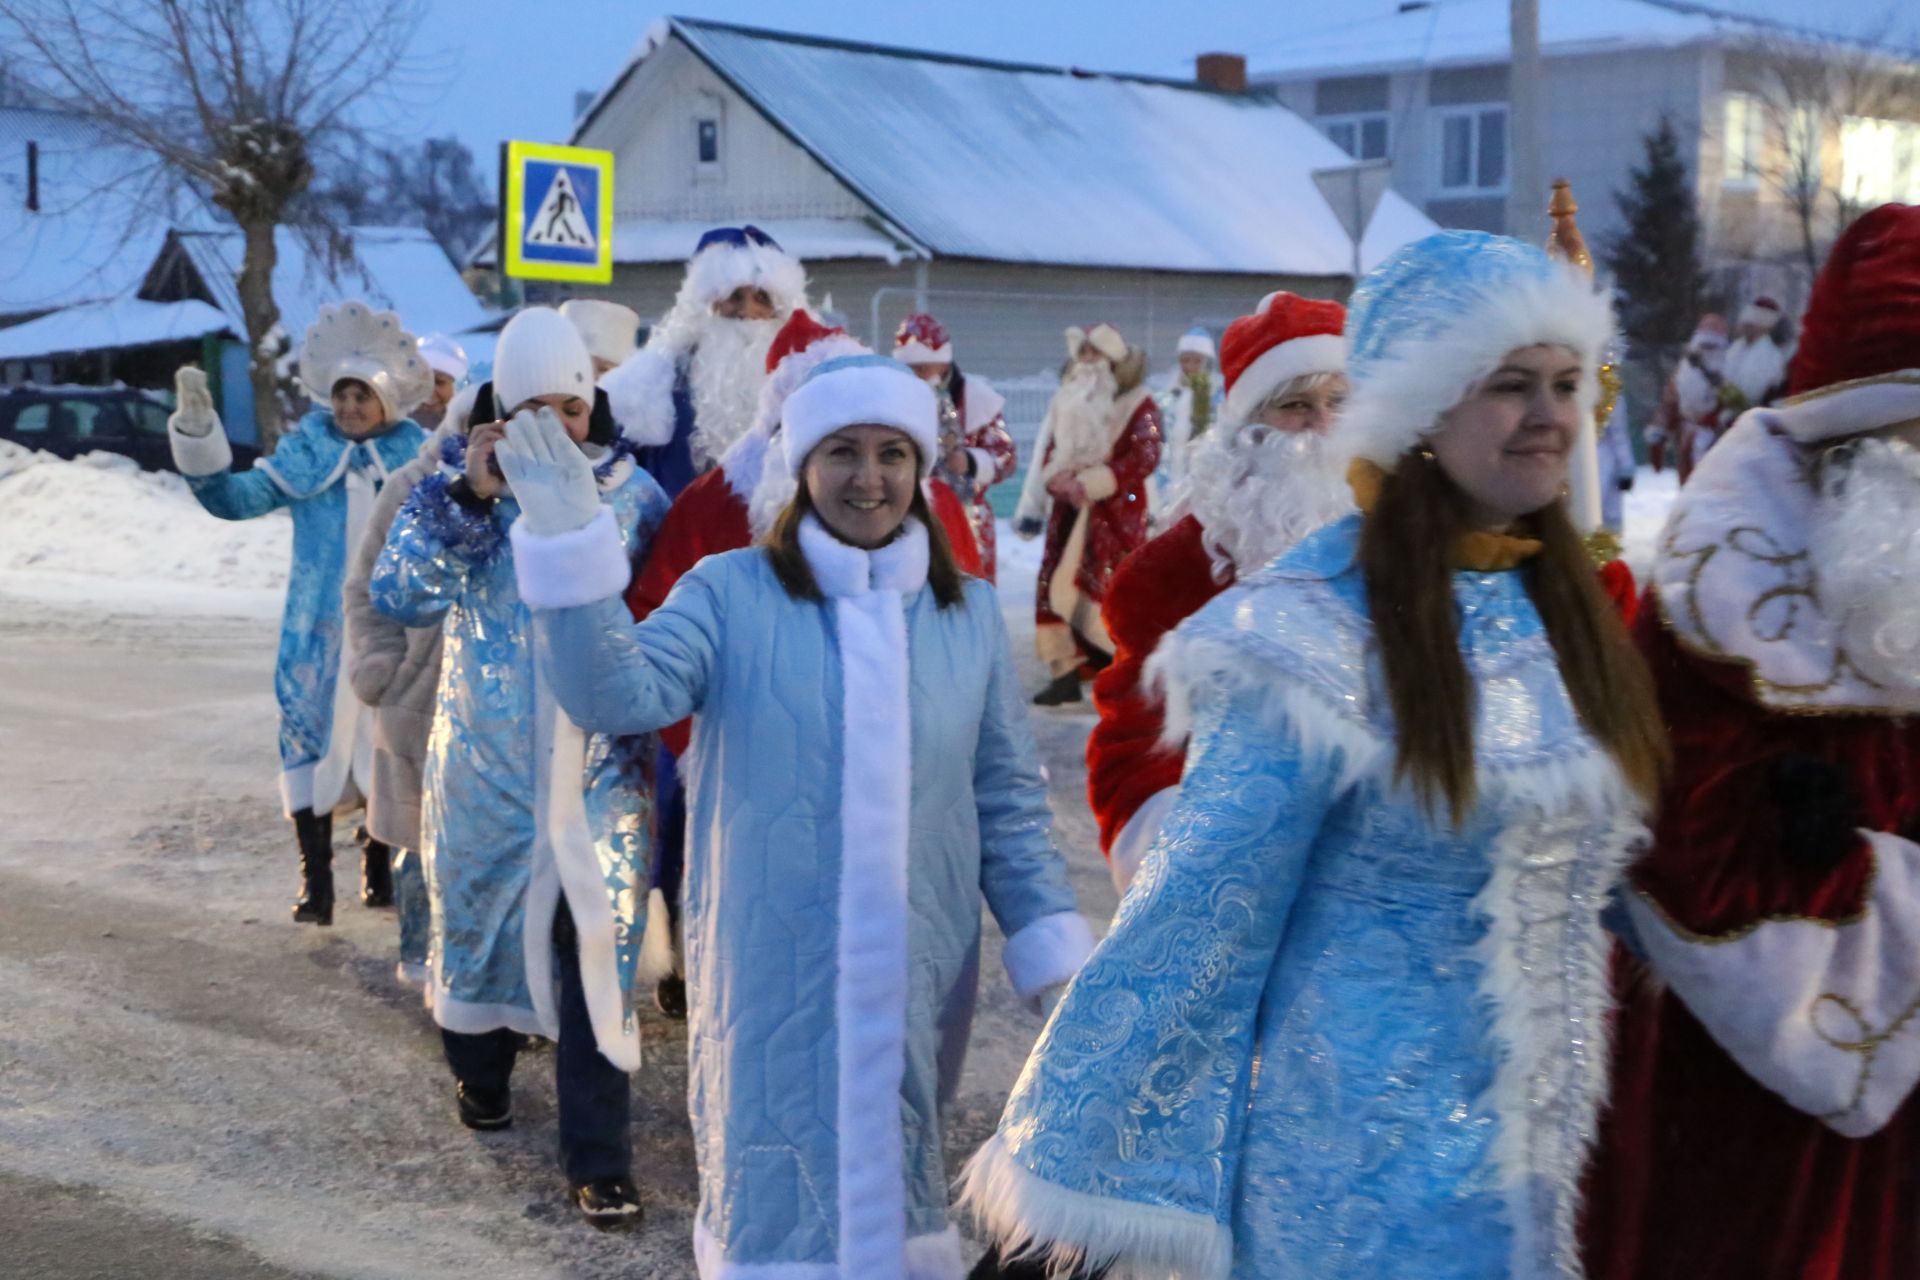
(562, 570)
(1848, 408)
(640, 394)
(879, 392)
(296, 788)
(197, 456)
(1026, 1215)
(1099, 482)
(1047, 952)
(1279, 365)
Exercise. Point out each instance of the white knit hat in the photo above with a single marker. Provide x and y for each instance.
(1195, 341)
(540, 353)
(857, 390)
(611, 331)
(444, 355)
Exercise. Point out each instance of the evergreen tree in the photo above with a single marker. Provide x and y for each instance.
(1656, 260)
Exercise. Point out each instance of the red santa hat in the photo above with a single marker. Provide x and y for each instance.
(797, 334)
(1286, 337)
(922, 340)
(1762, 311)
(802, 345)
(1105, 339)
(1858, 365)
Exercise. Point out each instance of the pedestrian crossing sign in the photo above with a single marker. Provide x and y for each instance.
(556, 212)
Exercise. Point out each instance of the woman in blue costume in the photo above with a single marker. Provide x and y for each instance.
(861, 773)
(369, 374)
(1350, 1021)
(535, 837)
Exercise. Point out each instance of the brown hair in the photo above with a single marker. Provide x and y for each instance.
(782, 545)
(1407, 543)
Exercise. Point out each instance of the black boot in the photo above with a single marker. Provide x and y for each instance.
(1063, 691)
(376, 874)
(315, 833)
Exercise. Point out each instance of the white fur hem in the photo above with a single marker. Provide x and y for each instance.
(640, 394)
(412, 973)
(197, 456)
(1848, 408)
(477, 1019)
(1276, 366)
(1130, 845)
(561, 570)
(657, 958)
(1047, 952)
(1028, 1215)
(296, 788)
(929, 1257)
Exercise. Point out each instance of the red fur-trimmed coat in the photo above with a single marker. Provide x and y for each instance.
(990, 445)
(1116, 518)
(1154, 590)
(1703, 1172)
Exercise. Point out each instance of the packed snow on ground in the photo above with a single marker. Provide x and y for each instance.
(98, 528)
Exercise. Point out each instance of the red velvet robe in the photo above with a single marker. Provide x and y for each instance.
(1702, 1173)
(1153, 591)
(1116, 526)
(995, 459)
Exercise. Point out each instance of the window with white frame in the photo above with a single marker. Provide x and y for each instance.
(1879, 161)
(1473, 149)
(1741, 135)
(1364, 137)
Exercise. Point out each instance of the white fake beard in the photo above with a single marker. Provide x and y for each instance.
(1865, 549)
(1257, 491)
(729, 364)
(1082, 413)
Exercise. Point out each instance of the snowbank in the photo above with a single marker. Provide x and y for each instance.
(100, 519)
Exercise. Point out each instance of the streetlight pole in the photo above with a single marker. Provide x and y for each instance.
(1526, 190)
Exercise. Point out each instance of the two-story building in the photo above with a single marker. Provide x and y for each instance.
(1758, 107)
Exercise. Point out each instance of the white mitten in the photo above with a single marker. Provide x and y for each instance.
(194, 415)
(550, 478)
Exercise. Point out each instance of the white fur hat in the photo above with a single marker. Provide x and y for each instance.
(728, 257)
(1762, 311)
(1105, 339)
(611, 331)
(1195, 341)
(444, 355)
(540, 353)
(353, 341)
(854, 390)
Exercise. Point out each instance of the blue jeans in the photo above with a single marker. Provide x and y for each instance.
(595, 1103)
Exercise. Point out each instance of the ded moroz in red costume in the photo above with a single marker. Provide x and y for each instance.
(1763, 1126)
(1252, 492)
(971, 420)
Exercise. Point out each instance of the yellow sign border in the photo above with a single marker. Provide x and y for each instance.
(514, 198)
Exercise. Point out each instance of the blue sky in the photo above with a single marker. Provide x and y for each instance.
(493, 69)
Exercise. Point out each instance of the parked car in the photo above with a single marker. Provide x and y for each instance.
(70, 421)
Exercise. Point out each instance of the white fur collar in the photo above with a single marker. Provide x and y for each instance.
(1735, 580)
(843, 570)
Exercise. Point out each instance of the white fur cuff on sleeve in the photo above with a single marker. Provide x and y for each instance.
(206, 455)
(1099, 482)
(1047, 952)
(561, 570)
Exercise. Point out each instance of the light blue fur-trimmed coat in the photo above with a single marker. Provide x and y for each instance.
(861, 772)
(517, 805)
(330, 482)
(1330, 1038)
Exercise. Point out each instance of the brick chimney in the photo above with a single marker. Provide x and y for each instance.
(1226, 72)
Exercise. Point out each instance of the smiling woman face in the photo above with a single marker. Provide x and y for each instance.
(1508, 443)
(861, 480)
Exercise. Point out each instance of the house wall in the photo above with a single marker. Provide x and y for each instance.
(1598, 106)
(651, 126)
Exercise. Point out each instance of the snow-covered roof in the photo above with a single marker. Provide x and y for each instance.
(1019, 163)
(107, 326)
(92, 236)
(398, 268)
(1382, 35)
(640, 240)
